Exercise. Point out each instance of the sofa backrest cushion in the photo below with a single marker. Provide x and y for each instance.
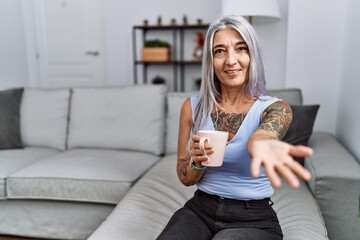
(175, 101)
(127, 118)
(292, 96)
(304, 117)
(44, 117)
(10, 101)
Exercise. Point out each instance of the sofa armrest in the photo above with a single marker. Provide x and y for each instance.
(335, 184)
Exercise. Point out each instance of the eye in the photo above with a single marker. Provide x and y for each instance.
(218, 52)
(242, 49)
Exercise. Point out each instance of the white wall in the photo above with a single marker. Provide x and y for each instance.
(13, 65)
(273, 37)
(315, 44)
(348, 114)
(120, 17)
(19, 68)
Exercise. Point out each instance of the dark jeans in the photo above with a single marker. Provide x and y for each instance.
(211, 217)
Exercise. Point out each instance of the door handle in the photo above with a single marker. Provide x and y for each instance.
(92, 53)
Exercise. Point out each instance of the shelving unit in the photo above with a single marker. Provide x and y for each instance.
(177, 62)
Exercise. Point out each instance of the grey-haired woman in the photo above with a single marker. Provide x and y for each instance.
(233, 201)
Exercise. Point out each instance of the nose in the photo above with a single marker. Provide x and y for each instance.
(231, 58)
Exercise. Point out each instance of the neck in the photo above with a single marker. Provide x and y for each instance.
(234, 96)
(235, 100)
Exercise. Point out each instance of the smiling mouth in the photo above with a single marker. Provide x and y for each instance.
(233, 71)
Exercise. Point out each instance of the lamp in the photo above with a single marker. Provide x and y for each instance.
(261, 10)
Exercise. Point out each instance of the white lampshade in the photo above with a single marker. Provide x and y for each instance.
(259, 10)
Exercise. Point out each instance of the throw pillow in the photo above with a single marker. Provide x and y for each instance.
(302, 125)
(10, 118)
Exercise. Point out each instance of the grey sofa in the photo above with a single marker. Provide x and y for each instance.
(99, 164)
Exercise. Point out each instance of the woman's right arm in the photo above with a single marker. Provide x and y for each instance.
(186, 174)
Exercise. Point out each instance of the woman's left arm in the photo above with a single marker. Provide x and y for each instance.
(266, 148)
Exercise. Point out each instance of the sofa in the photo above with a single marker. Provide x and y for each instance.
(98, 163)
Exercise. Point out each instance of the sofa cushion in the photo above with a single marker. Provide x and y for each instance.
(41, 220)
(127, 118)
(292, 96)
(335, 184)
(149, 204)
(89, 175)
(44, 117)
(175, 101)
(12, 160)
(298, 213)
(10, 118)
(302, 125)
(154, 199)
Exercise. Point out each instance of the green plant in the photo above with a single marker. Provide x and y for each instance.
(197, 83)
(158, 80)
(156, 43)
(185, 20)
(159, 20)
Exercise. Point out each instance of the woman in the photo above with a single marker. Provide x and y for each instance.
(233, 201)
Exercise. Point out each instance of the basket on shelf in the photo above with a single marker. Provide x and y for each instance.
(156, 51)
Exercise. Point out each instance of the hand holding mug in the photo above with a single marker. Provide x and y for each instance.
(199, 155)
(217, 140)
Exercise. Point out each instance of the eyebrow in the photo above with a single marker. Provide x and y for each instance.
(222, 45)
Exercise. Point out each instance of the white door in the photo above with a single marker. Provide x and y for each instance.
(69, 42)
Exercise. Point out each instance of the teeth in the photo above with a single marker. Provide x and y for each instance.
(231, 71)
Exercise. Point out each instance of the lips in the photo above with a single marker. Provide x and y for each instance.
(232, 71)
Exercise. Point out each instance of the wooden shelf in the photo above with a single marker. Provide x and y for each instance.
(186, 62)
(177, 62)
(171, 27)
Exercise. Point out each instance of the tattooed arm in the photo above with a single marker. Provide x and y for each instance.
(186, 174)
(277, 119)
(266, 149)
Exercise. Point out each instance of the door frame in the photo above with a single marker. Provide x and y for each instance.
(31, 43)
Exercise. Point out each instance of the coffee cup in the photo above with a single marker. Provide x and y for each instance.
(218, 141)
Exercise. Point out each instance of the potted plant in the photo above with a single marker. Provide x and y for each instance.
(197, 82)
(156, 50)
(158, 80)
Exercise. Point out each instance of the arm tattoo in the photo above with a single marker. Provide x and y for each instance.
(183, 169)
(228, 122)
(278, 117)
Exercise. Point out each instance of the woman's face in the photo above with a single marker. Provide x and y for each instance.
(231, 58)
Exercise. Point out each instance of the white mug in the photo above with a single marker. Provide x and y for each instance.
(218, 141)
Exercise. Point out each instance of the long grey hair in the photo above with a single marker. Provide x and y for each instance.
(210, 91)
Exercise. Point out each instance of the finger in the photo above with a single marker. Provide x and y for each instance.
(208, 147)
(272, 175)
(299, 170)
(300, 151)
(195, 138)
(255, 167)
(200, 152)
(200, 158)
(208, 152)
(195, 144)
(288, 175)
